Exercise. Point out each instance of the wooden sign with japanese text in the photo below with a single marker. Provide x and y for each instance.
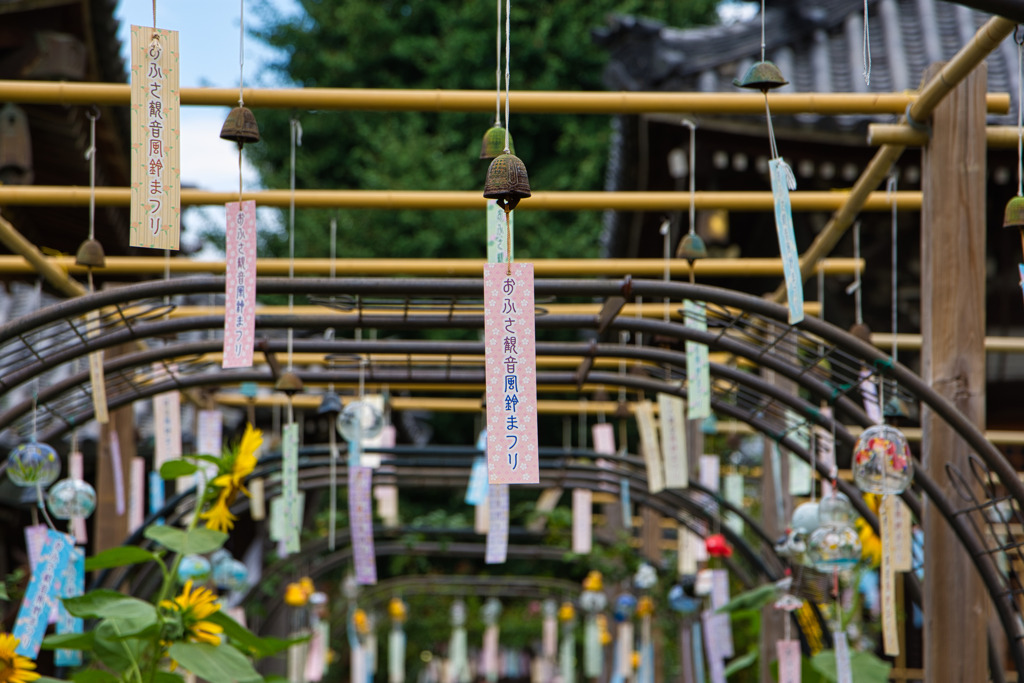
(156, 171)
(510, 353)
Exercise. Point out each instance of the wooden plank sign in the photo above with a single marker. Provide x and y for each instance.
(156, 171)
(240, 285)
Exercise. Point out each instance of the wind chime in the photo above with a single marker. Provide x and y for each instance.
(764, 76)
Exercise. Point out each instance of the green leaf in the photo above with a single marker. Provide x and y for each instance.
(3, 591)
(741, 662)
(115, 652)
(213, 460)
(90, 605)
(121, 556)
(198, 541)
(47, 679)
(866, 667)
(68, 641)
(167, 677)
(172, 469)
(247, 641)
(94, 676)
(756, 598)
(215, 663)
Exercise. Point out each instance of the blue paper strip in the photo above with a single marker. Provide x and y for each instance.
(290, 485)
(625, 503)
(476, 491)
(156, 494)
(41, 595)
(698, 368)
(73, 586)
(782, 182)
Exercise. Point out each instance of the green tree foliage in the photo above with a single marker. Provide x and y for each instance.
(446, 45)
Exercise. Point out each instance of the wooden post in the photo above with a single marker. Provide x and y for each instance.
(953, 364)
(110, 528)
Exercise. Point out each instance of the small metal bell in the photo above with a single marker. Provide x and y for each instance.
(493, 143)
(289, 383)
(763, 76)
(507, 181)
(90, 254)
(692, 247)
(330, 404)
(240, 126)
(1013, 217)
(896, 408)
(862, 332)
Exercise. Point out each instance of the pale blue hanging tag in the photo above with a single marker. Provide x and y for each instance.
(41, 595)
(626, 503)
(73, 586)
(156, 494)
(476, 491)
(782, 182)
(290, 486)
(698, 369)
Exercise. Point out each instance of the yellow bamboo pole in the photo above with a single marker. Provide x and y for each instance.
(118, 266)
(913, 342)
(425, 200)
(524, 102)
(986, 39)
(997, 137)
(38, 263)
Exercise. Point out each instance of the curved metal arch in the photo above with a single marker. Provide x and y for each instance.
(756, 328)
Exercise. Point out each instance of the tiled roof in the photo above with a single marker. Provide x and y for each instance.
(817, 44)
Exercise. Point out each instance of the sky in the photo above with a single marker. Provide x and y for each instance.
(208, 39)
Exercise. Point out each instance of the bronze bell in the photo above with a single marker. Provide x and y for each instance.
(1013, 217)
(493, 143)
(330, 404)
(507, 181)
(289, 383)
(692, 247)
(862, 332)
(90, 254)
(763, 76)
(240, 126)
(896, 408)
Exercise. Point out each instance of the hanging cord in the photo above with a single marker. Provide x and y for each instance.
(508, 44)
(854, 287)
(762, 30)
(867, 46)
(692, 172)
(92, 114)
(890, 190)
(771, 128)
(296, 140)
(497, 69)
(666, 235)
(1018, 37)
(154, 15)
(241, 50)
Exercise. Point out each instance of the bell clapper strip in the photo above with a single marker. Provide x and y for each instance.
(296, 140)
(90, 154)
(508, 206)
(867, 46)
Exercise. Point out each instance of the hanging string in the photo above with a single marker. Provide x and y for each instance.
(854, 288)
(771, 129)
(154, 14)
(1018, 37)
(762, 30)
(497, 68)
(692, 172)
(93, 113)
(508, 44)
(867, 46)
(890, 190)
(666, 235)
(296, 140)
(241, 50)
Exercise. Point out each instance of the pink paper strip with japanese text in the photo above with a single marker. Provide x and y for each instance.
(240, 285)
(511, 362)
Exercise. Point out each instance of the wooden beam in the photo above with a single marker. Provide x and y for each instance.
(953, 364)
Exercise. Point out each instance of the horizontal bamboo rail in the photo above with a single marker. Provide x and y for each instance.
(997, 137)
(522, 102)
(429, 200)
(124, 266)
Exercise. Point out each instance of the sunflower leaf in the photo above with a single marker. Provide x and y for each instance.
(215, 663)
(198, 541)
(119, 556)
(172, 469)
(68, 641)
(93, 676)
(247, 641)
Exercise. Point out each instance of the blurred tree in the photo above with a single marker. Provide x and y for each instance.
(450, 45)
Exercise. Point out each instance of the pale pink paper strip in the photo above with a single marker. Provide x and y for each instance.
(115, 463)
(360, 513)
(497, 530)
(240, 285)
(789, 660)
(511, 374)
(137, 494)
(582, 520)
(76, 470)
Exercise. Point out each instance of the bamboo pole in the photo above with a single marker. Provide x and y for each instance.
(524, 102)
(987, 38)
(56, 277)
(996, 137)
(420, 200)
(122, 266)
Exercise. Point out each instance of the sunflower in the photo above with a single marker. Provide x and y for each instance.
(240, 464)
(219, 517)
(14, 668)
(194, 606)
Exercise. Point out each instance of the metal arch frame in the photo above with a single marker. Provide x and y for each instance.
(763, 350)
